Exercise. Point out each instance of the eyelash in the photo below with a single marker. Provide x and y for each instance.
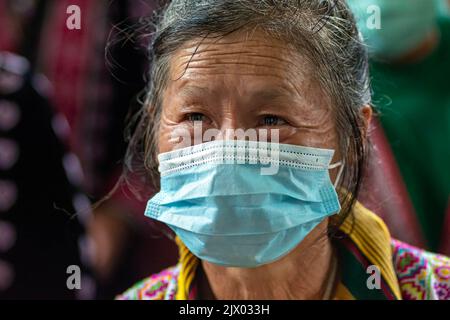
(194, 117)
(277, 120)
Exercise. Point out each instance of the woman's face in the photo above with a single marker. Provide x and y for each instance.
(245, 81)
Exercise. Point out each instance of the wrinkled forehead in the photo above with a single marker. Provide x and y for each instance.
(240, 53)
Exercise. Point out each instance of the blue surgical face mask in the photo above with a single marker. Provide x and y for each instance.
(392, 28)
(242, 203)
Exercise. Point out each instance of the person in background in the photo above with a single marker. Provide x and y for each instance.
(94, 94)
(41, 239)
(410, 65)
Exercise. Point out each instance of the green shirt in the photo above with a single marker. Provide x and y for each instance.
(414, 101)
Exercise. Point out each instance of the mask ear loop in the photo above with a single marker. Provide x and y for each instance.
(340, 164)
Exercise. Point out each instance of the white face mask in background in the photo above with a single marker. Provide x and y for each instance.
(403, 24)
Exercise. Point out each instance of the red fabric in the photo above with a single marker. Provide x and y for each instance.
(65, 55)
(7, 35)
(385, 193)
(73, 60)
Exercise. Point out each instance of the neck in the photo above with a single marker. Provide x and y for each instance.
(302, 274)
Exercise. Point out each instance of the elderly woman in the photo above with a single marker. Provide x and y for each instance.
(255, 135)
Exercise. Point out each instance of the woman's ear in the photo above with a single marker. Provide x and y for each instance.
(366, 113)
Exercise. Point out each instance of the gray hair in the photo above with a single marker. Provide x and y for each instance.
(323, 31)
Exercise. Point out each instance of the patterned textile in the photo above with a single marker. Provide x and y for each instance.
(421, 275)
(161, 286)
(407, 272)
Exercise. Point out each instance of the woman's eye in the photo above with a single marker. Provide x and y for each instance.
(195, 117)
(273, 121)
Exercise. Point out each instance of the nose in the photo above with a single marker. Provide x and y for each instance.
(231, 126)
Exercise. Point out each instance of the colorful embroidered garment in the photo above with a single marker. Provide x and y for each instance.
(406, 272)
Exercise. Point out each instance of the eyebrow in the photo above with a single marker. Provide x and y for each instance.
(194, 90)
(272, 94)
